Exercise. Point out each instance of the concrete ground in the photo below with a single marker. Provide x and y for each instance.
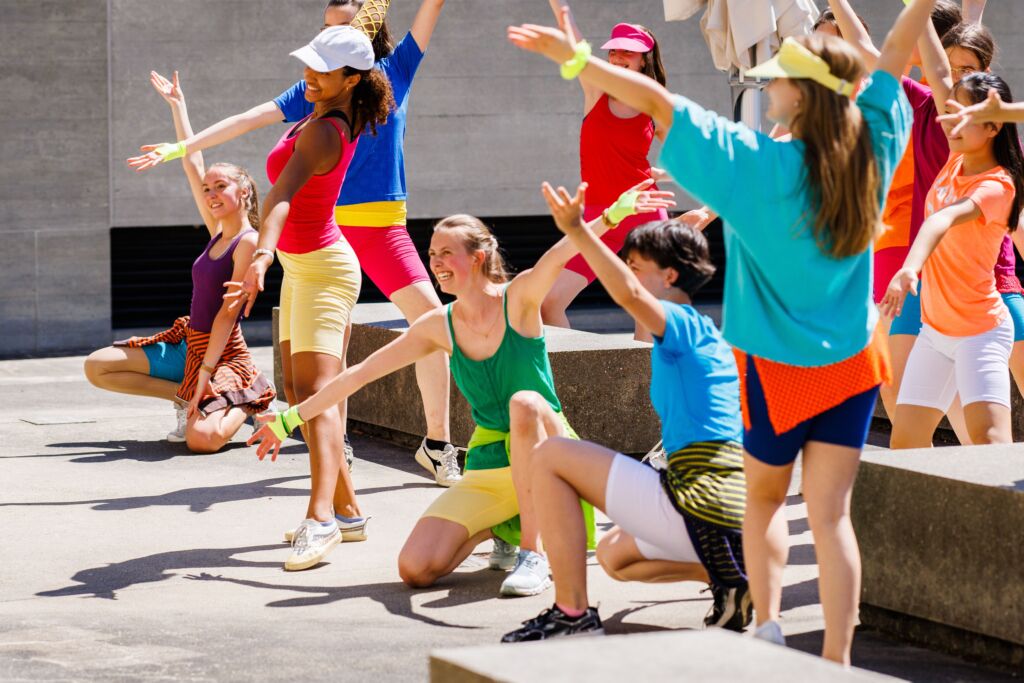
(123, 557)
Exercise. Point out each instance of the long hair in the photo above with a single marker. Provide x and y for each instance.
(245, 181)
(839, 160)
(974, 38)
(383, 44)
(476, 236)
(372, 100)
(945, 15)
(653, 66)
(1006, 144)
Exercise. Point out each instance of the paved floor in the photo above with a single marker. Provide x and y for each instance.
(123, 557)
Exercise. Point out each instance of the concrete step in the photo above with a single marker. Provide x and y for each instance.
(671, 656)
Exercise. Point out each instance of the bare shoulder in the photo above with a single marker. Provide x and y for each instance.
(433, 327)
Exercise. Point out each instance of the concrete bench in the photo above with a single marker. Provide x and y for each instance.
(941, 535)
(603, 383)
(671, 656)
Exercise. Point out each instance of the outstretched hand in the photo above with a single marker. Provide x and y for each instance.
(265, 436)
(649, 201)
(905, 280)
(170, 91)
(986, 111)
(246, 290)
(557, 44)
(567, 210)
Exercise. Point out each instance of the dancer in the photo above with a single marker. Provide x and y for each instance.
(371, 209)
(202, 363)
(965, 342)
(615, 140)
(808, 366)
(681, 525)
(494, 335)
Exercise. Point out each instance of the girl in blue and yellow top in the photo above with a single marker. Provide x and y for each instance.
(798, 299)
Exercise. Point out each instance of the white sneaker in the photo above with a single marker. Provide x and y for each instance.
(442, 464)
(531, 576)
(350, 531)
(311, 543)
(503, 556)
(657, 458)
(178, 435)
(770, 632)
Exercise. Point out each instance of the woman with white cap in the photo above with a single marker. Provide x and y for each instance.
(798, 309)
(615, 140)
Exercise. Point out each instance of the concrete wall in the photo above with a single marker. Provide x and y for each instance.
(488, 122)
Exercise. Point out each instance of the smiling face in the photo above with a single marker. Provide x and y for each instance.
(451, 263)
(972, 138)
(784, 100)
(655, 279)
(223, 195)
(327, 86)
(634, 61)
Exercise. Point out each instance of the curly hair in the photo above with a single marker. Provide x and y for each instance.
(372, 100)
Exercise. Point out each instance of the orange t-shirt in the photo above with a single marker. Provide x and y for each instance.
(898, 205)
(958, 294)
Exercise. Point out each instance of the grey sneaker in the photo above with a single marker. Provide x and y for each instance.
(311, 543)
(770, 632)
(350, 531)
(656, 457)
(442, 464)
(178, 435)
(503, 555)
(350, 455)
(531, 576)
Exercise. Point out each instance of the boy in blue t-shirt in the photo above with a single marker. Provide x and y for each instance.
(683, 523)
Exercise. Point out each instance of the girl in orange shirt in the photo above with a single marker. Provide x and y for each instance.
(967, 334)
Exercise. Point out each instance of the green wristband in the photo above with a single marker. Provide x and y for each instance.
(572, 68)
(623, 208)
(171, 150)
(285, 423)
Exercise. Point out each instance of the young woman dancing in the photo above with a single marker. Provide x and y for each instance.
(494, 335)
(808, 366)
(682, 524)
(202, 363)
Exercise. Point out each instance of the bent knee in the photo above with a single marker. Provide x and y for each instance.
(416, 571)
(203, 442)
(94, 368)
(606, 557)
(527, 405)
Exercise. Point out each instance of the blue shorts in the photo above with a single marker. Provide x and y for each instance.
(844, 425)
(1015, 302)
(167, 361)
(909, 319)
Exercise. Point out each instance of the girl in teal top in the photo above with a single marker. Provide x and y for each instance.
(799, 218)
(494, 335)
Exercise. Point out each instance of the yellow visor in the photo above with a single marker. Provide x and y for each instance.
(793, 60)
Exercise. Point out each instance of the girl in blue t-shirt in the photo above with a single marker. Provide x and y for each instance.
(684, 523)
(798, 300)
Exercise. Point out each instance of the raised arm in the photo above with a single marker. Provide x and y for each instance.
(193, 162)
(935, 66)
(899, 44)
(973, 10)
(425, 22)
(427, 335)
(590, 94)
(853, 31)
(370, 17)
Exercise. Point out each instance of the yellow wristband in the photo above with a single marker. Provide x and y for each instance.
(572, 68)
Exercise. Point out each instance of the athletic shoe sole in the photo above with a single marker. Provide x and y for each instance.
(428, 464)
(514, 592)
(313, 560)
(504, 565)
(174, 438)
(347, 535)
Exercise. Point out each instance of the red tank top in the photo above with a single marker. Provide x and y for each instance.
(310, 224)
(613, 152)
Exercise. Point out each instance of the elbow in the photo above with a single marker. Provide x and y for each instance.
(629, 296)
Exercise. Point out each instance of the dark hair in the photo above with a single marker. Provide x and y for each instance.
(372, 100)
(1006, 145)
(828, 17)
(974, 38)
(945, 15)
(653, 66)
(671, 244)
(383, 44)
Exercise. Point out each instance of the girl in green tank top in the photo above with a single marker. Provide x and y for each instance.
(494, 335)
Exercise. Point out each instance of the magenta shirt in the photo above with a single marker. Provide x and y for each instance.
(931, 149)
(1006, 269)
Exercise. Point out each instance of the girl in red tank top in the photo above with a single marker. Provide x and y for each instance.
(615, 140)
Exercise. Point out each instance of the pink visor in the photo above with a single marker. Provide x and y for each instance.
(629, 37)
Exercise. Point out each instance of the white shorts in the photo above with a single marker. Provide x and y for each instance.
(940, 366)
(637, 502)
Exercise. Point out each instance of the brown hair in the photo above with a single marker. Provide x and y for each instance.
(383, 45)
(671, 244)
(841, 172)
(974, 38)
(372, 100)
(653, 66)
(828, 17)
(478, 237)
(945, 15)
(245, 181)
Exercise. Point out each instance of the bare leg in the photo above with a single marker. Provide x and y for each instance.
(1017, 365)
(431, 372)
(434, 549)
(988, 423)
(567, 287)
(210, 434)
(899, 351)
(532, 421)
(622, 560)
(914, 426)
(765, 534)
(955, 415)
(828, 474)
(126, 370)
(343, 406)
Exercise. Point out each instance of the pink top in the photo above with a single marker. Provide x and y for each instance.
(613, 153)
(310, 224)
(931, 148)
(1006, 269)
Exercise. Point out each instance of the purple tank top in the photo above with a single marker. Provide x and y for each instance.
(208, 278)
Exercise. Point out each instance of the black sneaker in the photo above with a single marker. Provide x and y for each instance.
(552, 623)
(732, 608)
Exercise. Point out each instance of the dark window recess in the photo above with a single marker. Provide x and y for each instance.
(152, 284)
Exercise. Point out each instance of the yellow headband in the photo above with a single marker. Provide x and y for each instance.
(793, 60)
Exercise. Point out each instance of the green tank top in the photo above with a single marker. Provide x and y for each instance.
(520, 364)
